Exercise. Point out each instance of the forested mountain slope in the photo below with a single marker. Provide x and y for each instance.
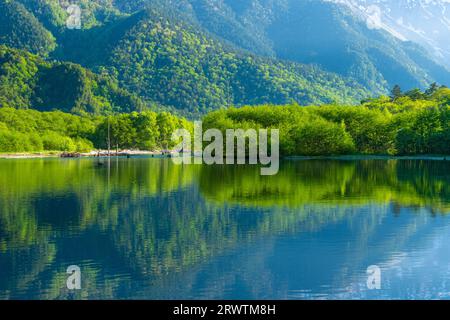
(324, 32)
(199, 55)
(172, 61)
(28, 81)
(20, 28)
(177, 65)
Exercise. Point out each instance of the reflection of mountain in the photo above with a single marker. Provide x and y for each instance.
(146, 228)
(332, 262)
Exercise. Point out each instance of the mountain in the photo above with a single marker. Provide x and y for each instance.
(174, 62)
(27, 80)
(53, 13)
(325, 32)
(426, 22)
(20, 28)
(200, 55)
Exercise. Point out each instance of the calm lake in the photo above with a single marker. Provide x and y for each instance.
(145, 228)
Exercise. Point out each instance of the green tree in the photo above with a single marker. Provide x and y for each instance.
(167, 124)
(396, 92)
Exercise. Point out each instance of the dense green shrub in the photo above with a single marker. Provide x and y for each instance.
(321, 137)
(55, 141)
(408, 125)
(403, 126)
(34, 131)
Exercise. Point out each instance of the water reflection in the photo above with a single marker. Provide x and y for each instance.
(145, 228)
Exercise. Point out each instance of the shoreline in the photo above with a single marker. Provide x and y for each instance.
(29, 155)
(372, 157)
(92, 154)
(103, 153)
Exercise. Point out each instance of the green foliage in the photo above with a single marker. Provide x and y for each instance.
(53, 15)
(173, 53)
(167, 124)
(379, 126)
(168, 60)
(17, 77)
(320, 137)
(27, 81)
(13, 141)
(49, 12)
(396, 92)
(145, 131)
(21, 29)
(34, 131)
(318, 32)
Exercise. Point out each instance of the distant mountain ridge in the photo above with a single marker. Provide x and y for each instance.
(200, 55)
(426, 22)
(171, 61)
(324, 32)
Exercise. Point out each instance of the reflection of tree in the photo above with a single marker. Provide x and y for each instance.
(150, 218)
(30, 191)
(21, 267)
(40, 199)
(408, 183)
